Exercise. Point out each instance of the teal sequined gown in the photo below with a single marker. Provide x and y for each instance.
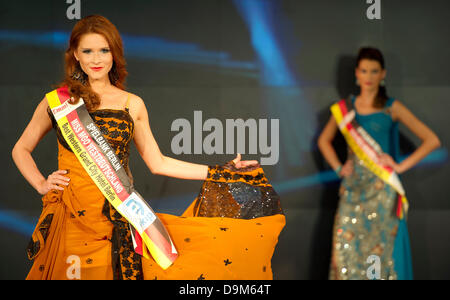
(369, 241)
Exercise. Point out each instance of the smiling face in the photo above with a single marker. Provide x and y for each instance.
(369, 74)
(94, 55)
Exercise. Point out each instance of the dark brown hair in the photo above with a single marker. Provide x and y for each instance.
(100, 25)
(374, 54)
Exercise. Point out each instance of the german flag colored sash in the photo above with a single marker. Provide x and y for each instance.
(368, 150)
(103, 166)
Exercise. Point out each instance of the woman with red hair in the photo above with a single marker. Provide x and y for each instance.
(229, 231)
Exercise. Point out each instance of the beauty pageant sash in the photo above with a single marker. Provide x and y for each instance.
(104, 168)
(368, 150)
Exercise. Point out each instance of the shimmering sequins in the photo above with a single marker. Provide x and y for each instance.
(365, 225)
(234, 194)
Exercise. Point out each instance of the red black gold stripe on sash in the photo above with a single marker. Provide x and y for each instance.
(104, 168)
(367, 150)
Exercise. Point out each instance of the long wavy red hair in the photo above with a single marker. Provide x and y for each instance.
(100, 25)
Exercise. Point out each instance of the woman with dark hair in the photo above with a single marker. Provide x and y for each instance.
(370, 237)
(85, 232)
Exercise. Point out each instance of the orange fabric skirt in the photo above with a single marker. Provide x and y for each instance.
(75, 241)
(72, 238)
(219, 248)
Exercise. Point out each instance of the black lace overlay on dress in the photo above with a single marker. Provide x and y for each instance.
(117, 126)
(34, 246)
(126, 263)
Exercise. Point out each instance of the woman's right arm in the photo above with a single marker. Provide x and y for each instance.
(38, 127)
(325, 144)
(326, 147)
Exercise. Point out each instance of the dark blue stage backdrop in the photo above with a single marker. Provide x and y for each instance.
(276, 64)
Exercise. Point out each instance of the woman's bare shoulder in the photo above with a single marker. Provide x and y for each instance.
(398, 109)
(136, 106)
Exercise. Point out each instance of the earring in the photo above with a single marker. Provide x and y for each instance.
(357, 82)
(382, 83)
(79, 75)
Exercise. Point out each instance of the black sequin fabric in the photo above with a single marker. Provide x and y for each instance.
(237, 193)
